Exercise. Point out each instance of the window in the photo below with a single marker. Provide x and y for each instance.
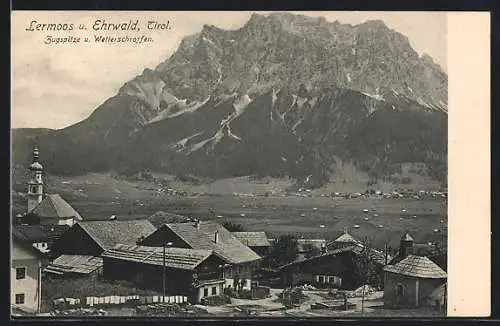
(205, 292)
(20, 273)
(399, 289)
(320, 279)
(20, 298)
(214, 290)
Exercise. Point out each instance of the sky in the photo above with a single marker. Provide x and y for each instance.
(57, 85)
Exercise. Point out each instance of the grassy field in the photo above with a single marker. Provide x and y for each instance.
(309, 217)
(98, 196)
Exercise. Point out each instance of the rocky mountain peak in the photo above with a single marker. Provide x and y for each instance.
(284, 94)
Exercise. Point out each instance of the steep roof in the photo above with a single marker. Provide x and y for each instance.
(345, 237)
(375, 255)
(180, 258)
(417, 266)
(228, 246)
(40, 233)
(253, 239)
(407, 237)
(79, 264)
(311, 259)
(109, 233)
(54, 206)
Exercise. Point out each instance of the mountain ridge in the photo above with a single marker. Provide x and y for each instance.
(282, 95)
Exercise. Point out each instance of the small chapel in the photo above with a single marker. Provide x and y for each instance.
(46, 209)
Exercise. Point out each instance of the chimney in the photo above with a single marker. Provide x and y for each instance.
(406, 245)
(216, 237)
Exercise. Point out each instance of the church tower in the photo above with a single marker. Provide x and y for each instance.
(35, 185)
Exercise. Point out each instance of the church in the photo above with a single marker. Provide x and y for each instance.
(46, 209)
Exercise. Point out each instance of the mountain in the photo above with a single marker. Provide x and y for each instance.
(283, 95)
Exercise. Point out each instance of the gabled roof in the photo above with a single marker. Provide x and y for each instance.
(53, 206)
(79, 264)
(228, 246)
(180, 258)
(417, 266)
(311, 259)
(374, 254)
(346, 237)
(407, 237)
(253, 239)
(40, 233)
(109, 233)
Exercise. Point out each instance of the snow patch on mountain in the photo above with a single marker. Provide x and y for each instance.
(374, 96)
(241, 103)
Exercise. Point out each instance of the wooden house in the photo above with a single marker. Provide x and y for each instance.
(188, 272)
(257, 241)
(411, 282)
(92, 238)
(240, 260)
(338, 268)
(25, 276)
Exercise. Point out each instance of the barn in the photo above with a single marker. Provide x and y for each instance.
(92, 238)
(188, 272)
(210, 235)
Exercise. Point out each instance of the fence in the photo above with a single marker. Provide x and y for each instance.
(121, 300)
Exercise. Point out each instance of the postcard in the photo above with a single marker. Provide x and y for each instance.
(250, 164)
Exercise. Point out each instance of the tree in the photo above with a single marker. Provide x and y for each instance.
(233, 227)
(284, 250)
(365, 267)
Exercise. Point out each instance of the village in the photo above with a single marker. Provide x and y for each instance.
(173, 265)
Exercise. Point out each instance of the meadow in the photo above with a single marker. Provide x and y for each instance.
(316, 217)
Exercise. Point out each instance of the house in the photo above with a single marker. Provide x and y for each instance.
(408, 246)
(241, 261)
(257, 241)
(25, 276)
(335, 268)
(188, 272)
(42, 237)
(46, 209)
(411, 282)
(74, 266)
(92, 238)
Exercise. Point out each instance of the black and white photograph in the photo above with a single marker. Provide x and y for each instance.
(229, 164)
